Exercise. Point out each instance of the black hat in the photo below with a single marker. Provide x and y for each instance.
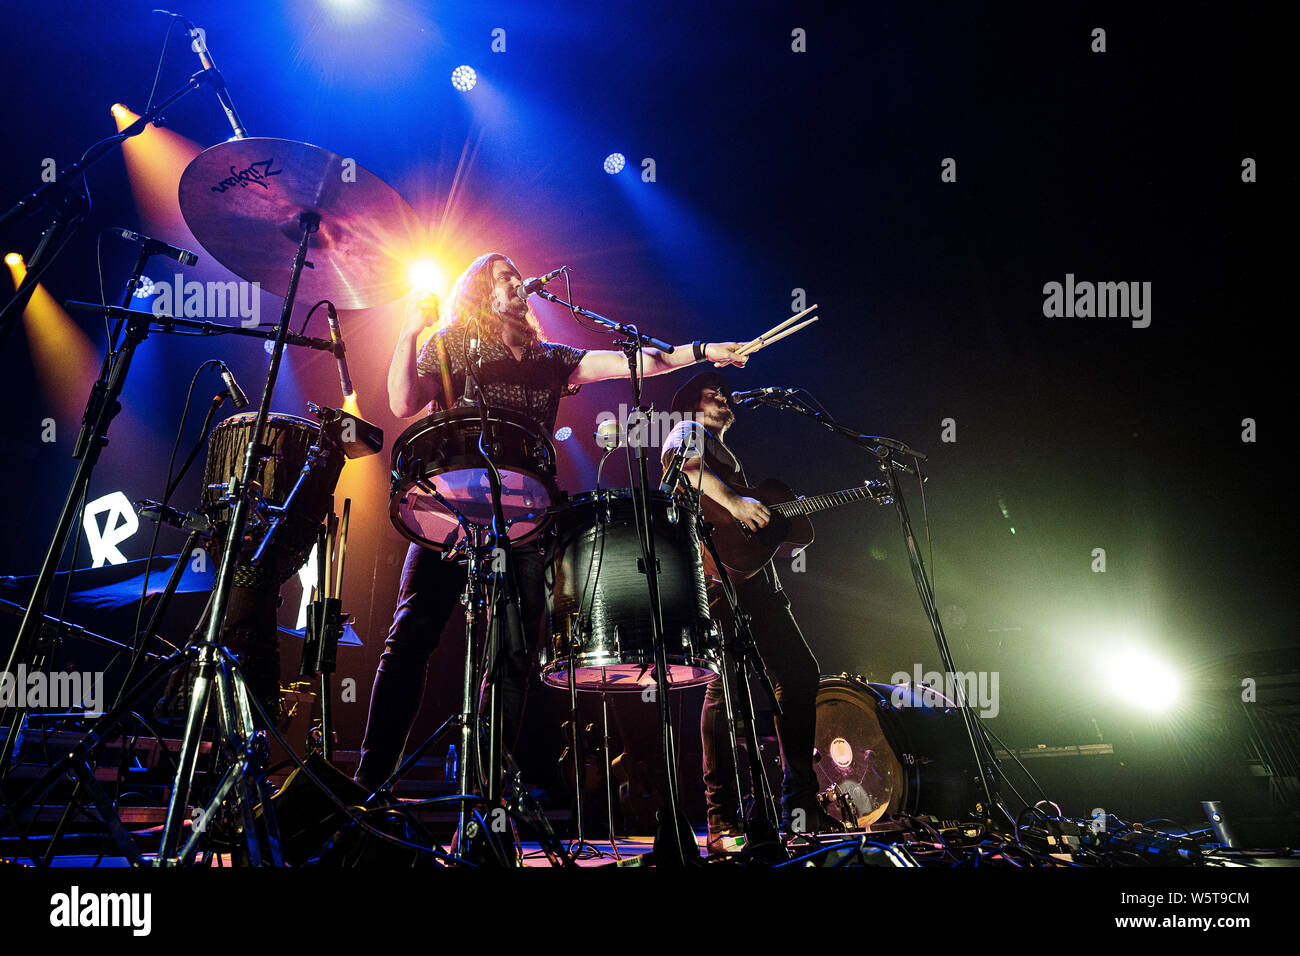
(688, 396)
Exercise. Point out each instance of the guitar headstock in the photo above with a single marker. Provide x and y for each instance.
(879, 491)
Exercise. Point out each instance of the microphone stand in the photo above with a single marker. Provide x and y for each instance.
(762, 828)
(885, 450)
(71, 207)
(670, 845)
(102, 407)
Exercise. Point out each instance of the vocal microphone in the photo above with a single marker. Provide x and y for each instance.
(336, 336)
(754, 393)
(152, 245)
(236, 393)
(688, 448)
(533, 283)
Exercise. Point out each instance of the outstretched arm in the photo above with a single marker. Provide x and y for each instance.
(601, 366)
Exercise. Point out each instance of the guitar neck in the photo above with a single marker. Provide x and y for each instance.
(812, 503)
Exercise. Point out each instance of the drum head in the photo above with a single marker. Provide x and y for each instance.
(852, 753)
(440, 478)
(428, 510)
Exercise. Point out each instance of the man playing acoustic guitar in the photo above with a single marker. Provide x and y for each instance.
(789, 661)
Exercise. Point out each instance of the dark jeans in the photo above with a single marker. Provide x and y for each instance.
(795, 677)
(429, 593)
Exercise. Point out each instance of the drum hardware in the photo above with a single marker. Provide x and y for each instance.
(887, 452)
(342, 260)
(354, 264)
(453, 475)
(674, 842)
(315, 458)
(325, 620)
(357, 437)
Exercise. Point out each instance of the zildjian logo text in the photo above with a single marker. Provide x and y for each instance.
(255, 173)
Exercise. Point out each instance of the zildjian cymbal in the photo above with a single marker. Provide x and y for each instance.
(242, 200)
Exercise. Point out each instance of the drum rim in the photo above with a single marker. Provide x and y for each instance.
(587, 497)
(508, 415)
(549, 670)
(284, 417)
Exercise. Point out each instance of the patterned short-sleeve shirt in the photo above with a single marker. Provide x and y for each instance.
(533, 384)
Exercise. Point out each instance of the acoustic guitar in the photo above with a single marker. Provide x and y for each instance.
(744, 552)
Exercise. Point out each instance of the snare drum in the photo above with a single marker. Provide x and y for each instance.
(599, 601)
(439, 476)
(288, 439)
(891, 748)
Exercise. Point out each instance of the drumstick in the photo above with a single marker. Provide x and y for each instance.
(777, 338)
(343, 545)
(757, 343)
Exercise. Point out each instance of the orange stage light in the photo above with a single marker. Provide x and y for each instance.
(154, 162)
(65, 359)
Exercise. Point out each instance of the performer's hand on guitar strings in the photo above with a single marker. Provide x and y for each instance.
(750, 512)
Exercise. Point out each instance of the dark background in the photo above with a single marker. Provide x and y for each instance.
(779, 170)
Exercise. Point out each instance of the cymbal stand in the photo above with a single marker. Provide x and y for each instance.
(250, 759)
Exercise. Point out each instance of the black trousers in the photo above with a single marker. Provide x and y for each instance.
(795, 677)
(429, 593)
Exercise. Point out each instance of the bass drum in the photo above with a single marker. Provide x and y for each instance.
(891, 748)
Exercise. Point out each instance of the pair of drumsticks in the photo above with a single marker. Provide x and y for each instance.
(778, 332)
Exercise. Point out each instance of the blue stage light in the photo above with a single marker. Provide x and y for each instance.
(564, 434)
(464, 78)
(614, 163)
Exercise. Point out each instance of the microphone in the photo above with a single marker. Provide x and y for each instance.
(336, 336)
(533, 283)
(200, 46)
(236, 393)
(608, 435)
(688, 448)
(152, 245)
(152, 510)
(757, 393)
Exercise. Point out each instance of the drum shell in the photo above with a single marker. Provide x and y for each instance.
(287, 439)
(596, 569)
